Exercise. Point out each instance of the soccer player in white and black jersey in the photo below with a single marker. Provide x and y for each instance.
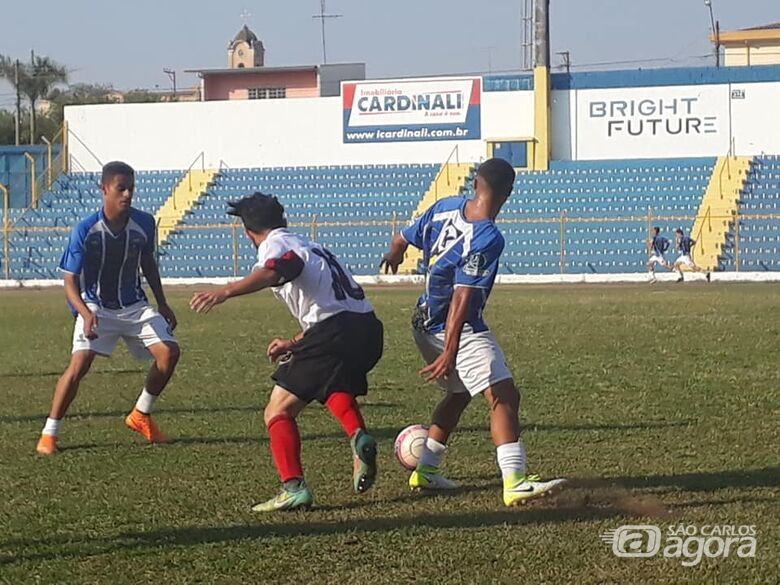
(340, 342)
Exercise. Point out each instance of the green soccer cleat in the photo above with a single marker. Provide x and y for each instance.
(428, 478)
(521, 488)
(287, 500)
(364, 459)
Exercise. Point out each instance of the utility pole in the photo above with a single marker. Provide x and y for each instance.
(489, 58)
(715, 32)
(566, 61)
(172, 76)
(322, 16)
(34, 74)
(526, 35)
(18, 121)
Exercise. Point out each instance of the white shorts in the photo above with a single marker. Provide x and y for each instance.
(139, 325)
(656, 259)
(685, 260)
(479, 365)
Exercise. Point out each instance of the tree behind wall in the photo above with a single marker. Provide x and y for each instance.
(36, 80)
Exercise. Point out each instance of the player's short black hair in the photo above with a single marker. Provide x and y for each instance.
(259, 212)
(679, 231)
(499, 175)
(656, 229)
(114, 168)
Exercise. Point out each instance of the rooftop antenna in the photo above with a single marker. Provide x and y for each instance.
(321, 17)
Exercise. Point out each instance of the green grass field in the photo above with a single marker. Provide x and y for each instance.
(662, 402)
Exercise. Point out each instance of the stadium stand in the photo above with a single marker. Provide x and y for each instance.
(759, 235)
(36, 254)
(318, 200)
(603, 209)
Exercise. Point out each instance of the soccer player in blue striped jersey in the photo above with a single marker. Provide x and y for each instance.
(102, 265)
(685, 245)
(461, 251)
(657, 247)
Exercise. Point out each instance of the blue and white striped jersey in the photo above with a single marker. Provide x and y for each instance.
(108, 263)
(456, 252)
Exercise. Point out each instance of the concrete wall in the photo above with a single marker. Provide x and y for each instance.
(766, 53)
(256, 133)
(601, 115)
(234, 87)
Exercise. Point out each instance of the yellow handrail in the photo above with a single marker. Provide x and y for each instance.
(48, 162)
(563, 241)
(445, 166)
(391, 223)
(6, 232)
(706, 220)
(33, 186)
(202, 157)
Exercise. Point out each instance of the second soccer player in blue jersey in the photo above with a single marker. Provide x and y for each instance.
(461, 251)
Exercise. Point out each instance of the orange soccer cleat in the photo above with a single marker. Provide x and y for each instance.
(143, 423)
(47, 445)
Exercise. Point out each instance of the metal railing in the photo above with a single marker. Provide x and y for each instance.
(565, 223)
(445, 168)
(202, 158)
(6, 232)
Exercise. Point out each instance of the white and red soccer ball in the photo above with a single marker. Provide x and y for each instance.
(409, 445)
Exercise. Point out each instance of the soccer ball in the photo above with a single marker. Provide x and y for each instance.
(409, 445)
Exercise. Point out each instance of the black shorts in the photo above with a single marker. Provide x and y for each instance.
(334, 355)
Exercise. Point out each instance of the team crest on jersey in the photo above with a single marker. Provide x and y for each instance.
(476, 265)
(449, 235)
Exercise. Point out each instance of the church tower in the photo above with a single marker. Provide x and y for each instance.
(246, 50)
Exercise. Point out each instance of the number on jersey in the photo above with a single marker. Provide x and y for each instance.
(343, 285)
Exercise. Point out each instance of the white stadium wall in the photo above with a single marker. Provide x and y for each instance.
(661, 122)
(602, 115)
(265, 133)
(755, 116)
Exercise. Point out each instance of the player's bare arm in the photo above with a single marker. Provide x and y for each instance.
(456, 318)
(152, 275)
(73, 294)
(393, 259)
(203, 302)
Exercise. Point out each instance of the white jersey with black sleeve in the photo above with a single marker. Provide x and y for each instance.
(314, 284)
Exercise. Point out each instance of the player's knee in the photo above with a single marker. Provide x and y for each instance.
(503, 395)
(273, 411)
(168, 357)
(79, 367)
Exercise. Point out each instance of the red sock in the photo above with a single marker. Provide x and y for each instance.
(286, 446)
(345, 408)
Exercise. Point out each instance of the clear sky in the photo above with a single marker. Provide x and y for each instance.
(128, 43)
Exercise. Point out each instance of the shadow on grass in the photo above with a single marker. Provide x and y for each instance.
(382, 433)
(292, 524)
(258, 408)
(767, 477)
(585, 500)
(58, 373)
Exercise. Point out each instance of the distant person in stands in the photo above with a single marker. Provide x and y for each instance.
(102, 264)
(685, 245)
(657, 247)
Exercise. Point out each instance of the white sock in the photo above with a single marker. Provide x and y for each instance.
(511, 458)
(145, 402)
(433, 453)
(52, 427)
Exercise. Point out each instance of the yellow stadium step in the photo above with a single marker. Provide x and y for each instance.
(186, 193)
(448, 183)
(718, 210)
